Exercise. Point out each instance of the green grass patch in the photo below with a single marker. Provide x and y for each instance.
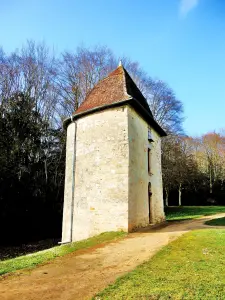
(34, 259)
(192, 267)
(216, 222)
(176, 213)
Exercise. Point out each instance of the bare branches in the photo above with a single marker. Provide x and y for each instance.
(179, 167)
(166, 108)
(32, 71)
(198, 164)
(79, 72)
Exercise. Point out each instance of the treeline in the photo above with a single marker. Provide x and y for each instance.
(194, 169)
(38, 89)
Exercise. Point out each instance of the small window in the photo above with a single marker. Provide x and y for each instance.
(149, 160)
(149, 189)
(150, 135)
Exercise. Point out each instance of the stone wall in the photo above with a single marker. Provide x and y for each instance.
(69, 177)
(139, 176)
(108, 164)
(138, 170)
(101, 174)
(157, 214)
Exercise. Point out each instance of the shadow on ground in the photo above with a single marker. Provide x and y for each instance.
(184, 225)
(7, 252)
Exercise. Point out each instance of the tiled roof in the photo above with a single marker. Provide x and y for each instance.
(117, 87)
(115, 90)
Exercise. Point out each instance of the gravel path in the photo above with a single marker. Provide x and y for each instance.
(81, 274)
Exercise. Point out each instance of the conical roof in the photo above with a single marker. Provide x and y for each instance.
(117, 89)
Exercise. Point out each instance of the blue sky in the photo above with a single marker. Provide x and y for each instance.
(179, 41)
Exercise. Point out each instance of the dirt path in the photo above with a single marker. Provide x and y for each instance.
(80, 275)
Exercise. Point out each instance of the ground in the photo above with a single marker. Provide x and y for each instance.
(172, 213)
(7, 252)
(80, 275)
(40, 257)
(191, 267)
(176, 213)
(216, 222)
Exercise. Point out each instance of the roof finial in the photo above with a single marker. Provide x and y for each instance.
(120, 63)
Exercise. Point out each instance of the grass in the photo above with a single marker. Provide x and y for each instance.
(191, 212)
(216, 222)
(192, 267)
(34, 259)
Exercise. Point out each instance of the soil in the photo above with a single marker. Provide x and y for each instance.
(80, 275)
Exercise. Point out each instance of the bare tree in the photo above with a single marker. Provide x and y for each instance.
(165, 107)
(79, 72)
(210, 157)
(32, 71)
(178, 164)
(168, 171)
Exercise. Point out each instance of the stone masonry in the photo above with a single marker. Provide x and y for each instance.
(111, 164)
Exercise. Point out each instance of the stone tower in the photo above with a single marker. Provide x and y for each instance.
(113, 162)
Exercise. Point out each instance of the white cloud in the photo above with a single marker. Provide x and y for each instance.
(187, 5)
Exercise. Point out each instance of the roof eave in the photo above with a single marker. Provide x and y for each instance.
(74, 117)
(132, 101)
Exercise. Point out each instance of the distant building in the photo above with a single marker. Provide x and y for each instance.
(113, 162)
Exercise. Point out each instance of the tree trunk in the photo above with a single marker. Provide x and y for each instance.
(167, 198)
(46, 172)
(210, 181)
(180, 188)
